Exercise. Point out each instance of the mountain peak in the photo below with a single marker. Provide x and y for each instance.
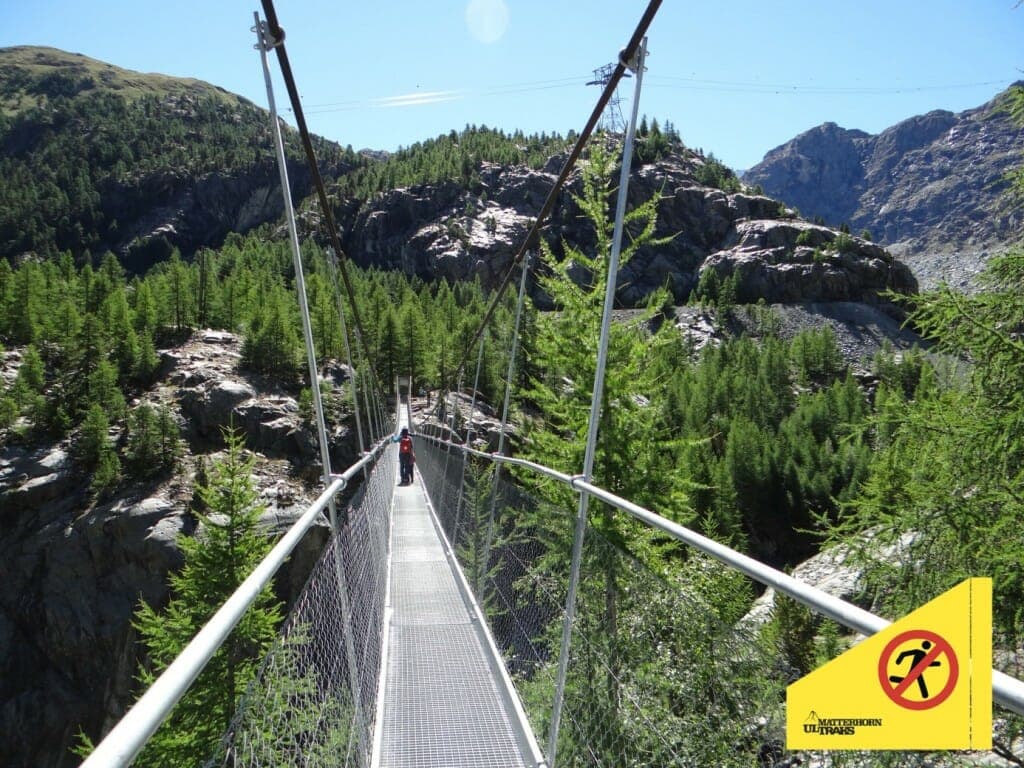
(930, 184)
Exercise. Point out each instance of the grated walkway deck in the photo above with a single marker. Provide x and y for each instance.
(442, 706)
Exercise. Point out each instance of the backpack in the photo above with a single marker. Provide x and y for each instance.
(405, 445)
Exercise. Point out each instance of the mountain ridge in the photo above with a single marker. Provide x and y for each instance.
(96, 158)
(171, 169)
(931, 188)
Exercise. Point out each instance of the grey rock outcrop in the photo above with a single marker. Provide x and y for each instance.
(72, 571)
(213, 396)
(773, 263)
(835, 571)
(462, 414)
(931, 188)
(171, 209)
(443, 231)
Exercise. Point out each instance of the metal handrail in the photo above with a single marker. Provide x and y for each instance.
(1006, 690)
(127, 738)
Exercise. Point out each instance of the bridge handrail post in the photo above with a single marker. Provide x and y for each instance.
(595, 404)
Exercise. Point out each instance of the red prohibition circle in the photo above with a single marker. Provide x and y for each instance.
(940, 646)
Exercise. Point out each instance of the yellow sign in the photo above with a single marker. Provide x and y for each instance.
(924, 682)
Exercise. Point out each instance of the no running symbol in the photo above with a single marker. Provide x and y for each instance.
(919, 650)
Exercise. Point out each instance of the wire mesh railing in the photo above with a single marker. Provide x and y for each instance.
(662, 669)
(314, 699)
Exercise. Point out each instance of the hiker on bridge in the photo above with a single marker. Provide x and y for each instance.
(406, 456)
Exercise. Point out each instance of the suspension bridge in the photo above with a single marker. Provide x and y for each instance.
(465, 620)
(426, 635)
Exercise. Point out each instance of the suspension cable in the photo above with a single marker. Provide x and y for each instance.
(469, 435)
(277, 42)
(264, 42)
(348, 350)
(509, 377)
(532, 237)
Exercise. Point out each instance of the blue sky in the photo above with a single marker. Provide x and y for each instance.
(736, 78)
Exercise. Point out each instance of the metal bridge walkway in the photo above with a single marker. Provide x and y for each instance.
(444, 701)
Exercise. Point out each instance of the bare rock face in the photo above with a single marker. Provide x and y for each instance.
(773, 266)
(462, 415)
(69, 583)
(931, 187)
(214, 396)
(443, 231)
(73, 571)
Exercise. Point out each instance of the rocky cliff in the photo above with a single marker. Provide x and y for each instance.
(72, 571)
(447, 231)
(931, 188)
(175, 163)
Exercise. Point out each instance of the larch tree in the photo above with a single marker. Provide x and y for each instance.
(227, 547)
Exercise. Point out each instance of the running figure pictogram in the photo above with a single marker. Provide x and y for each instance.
(916, 656)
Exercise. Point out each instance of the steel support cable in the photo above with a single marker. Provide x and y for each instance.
(1007, 691)
(509, 377)
(596, 400)
(532, 237)
(469, 438)
(331, 268)
(277, 35)
(263, 43)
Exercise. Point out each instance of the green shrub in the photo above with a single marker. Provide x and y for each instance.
(843, 242)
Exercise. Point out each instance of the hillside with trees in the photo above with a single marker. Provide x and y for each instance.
(96, 158)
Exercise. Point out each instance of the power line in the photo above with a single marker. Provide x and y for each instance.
(418, 98)
(667, 82)
(533, 235)
(738, 86)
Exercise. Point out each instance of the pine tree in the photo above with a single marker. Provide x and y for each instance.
(272, 342)
(146, 361)
(103, 390)
(180, 293)
(635, 453)
(227, 547)
(631, 454)
(23, 309)
(146, 317)
(28, 390)
(6, 297)
(411, 343)
(206, 287)
(119, 328)
(153, 445)
(387, 354)
(97, 452)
